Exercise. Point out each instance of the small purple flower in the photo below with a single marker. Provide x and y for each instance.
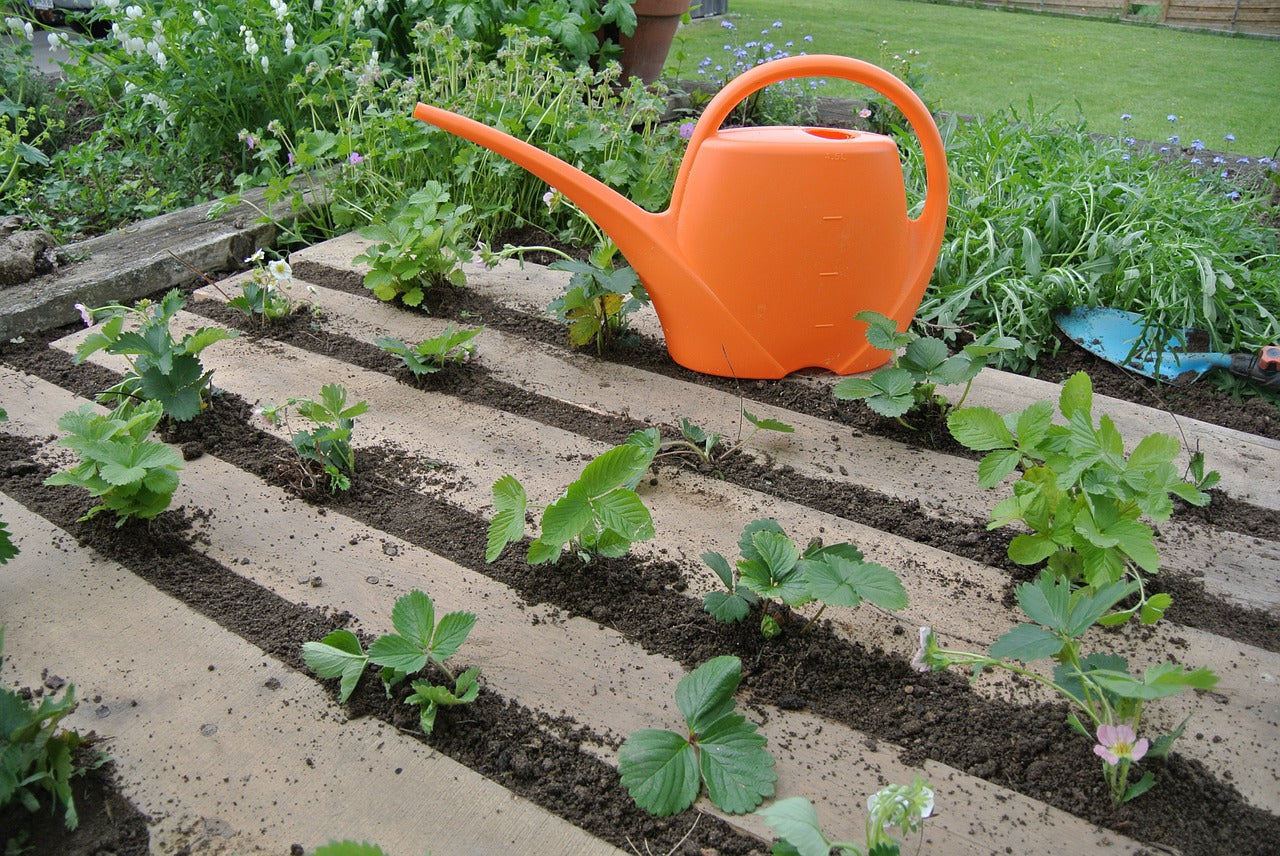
(1164, 150)
(864, 113)
(1230, 138)
(1219, 159)
(1130, 141)
(686, 130)
(1172, 117)
(1242, 160)
(1125, 117)
(1196, 161)
(1124, 157)
(1116, 742)
(808, 38)
(777, 24)
(1174, 139)
(354, 158)
(86, 314)
(250, 140)
(290, 157)
(1234, 196)
(727, 25)
(1197, 145)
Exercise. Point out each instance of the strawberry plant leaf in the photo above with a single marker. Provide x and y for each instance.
(414, 618)
(980, 429)
(735, 766)
(1026, 642)
(507, 525)
(612, 469)
(768, 424)
(706, 693)
(660, 770)
(451, 632)
(397, 653)
(337, 655)
(840, 582)
(795, 821)
(623, 512)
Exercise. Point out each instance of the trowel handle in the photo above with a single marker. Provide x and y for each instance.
(1263, 368)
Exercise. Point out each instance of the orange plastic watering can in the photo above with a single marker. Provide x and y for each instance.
(775, 237)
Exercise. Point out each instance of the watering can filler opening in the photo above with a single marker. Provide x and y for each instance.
(776, 236)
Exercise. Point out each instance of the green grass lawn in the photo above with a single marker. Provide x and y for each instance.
(979, 61)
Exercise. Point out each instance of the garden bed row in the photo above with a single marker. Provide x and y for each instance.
(588, 673)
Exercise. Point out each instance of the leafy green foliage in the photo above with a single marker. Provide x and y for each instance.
(418, 641)
(349, 848)
(268, 292)
(796, 823)
(712, 447)
(431, 355)
(599, 514)
(130, 475)
(1097, 686)
(421, 242)
(599, 298)
(912, 378)
(665, 771)
(35, 755)
(160, 368)
(1079, 495)
(773, 567)
(328, 442)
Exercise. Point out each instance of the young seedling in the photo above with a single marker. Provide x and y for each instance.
(713, 448)
(600, 295)
(130, 475)
(160, 368)
(268, 293)
(1097, 687)
(773, 567)
(796, 824)
(1079, 495)
(665, 771)
(35, 754)
(912, 379)
(328, 442)
(431, 355)
(599, 514)
(418, 640)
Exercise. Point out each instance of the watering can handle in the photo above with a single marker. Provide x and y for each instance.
(927, 229)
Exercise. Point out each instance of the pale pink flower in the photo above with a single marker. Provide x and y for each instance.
(86, 314)
(355, 158)
(917, 662)
(1116, 742)
(686, 130)
(864, 113)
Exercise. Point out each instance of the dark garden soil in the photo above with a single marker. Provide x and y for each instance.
(932, 716)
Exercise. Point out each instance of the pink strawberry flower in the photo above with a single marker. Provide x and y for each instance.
(1119, 742)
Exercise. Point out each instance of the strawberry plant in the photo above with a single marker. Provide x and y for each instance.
(711, 447)
(160, 368)
(35, 754)
(130, 475)
(423, 241)
(1079, 495)
(599, 513)
(431, 355)
(912, 378)
(418, 641)
(328, 442)
(796, 823)
(773, 567)
(665, 771)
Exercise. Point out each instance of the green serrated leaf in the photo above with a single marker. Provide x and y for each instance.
(840, 582)
(729, 607)
(980, 429)
(507, 525)
(612, 470)
(735, 766)
(768, 424)
(623, 511)
(450, 633)
(660, 770)
(337, 655)
(706, 693)
(414, 617)
(398, 653)
(795, 821)
(1026, 642)
(720, 565)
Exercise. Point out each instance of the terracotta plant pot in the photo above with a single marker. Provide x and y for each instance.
(645, 51)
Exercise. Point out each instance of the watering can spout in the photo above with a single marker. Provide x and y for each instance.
(643, 237)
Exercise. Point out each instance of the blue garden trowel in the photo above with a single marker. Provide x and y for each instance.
(1128, 341)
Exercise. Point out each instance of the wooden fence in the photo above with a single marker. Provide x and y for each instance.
(1248, 17)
